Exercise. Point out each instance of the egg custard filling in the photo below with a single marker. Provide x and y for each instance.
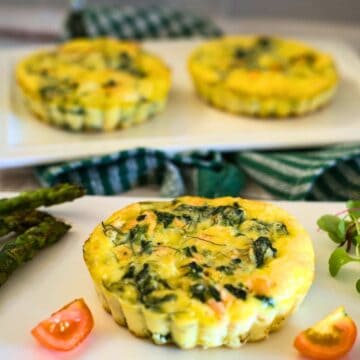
(263, 76)
(94, 84)
(200, 272)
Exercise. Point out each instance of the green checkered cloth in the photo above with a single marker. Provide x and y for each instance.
(332, 173)
(137, 23)
(201, 173)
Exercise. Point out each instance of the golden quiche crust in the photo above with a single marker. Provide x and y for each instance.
(200, 272)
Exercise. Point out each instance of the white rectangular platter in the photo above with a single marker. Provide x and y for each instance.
(187, 122)
(58, 275)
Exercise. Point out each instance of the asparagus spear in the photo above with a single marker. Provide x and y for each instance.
(20, 221)
(25, 246)
(42, 197)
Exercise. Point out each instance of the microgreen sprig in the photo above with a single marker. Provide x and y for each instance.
(345, 231)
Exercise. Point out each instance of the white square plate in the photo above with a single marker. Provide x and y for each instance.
(58, 275)
(187, 122)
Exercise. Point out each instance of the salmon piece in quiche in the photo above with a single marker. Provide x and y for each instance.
(200, 272)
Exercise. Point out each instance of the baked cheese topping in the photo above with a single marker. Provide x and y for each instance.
(103, 75)
(202, 272)
(257, 68)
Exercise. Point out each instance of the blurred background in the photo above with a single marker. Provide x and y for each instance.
(30, 18)
(26, 22)
(335, 10)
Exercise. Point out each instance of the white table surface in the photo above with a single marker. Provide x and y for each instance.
(58, 274)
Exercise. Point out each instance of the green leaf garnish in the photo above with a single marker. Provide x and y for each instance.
(345, 231)
(354, 208)
(338, 259)
(342, 229)
(357, 240)
(330, 224)
(358, 286)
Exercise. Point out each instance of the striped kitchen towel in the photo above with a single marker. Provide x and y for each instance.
(200, 173)
(137, 23)
(331, 173)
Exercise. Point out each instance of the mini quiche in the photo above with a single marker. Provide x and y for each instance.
(200, 272)
(100, 84)
(263, 76)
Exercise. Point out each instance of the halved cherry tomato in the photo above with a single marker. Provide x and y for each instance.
(66, 328)
(328, 339)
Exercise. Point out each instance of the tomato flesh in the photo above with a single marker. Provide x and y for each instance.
(329, 339)
(66, 328)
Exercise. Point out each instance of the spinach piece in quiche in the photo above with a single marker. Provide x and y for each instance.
(109, 84)
(113, 286)
(308, 58)
(226, 269)
(226, 215)
(189, 251)
(135, 236)
(241, 53)
(229, 215)
(76, 110)
(155, 302)
(137, 233)
(279, 228)
(146, 246)
(195, 270)
(141, 217)
(264, 42)
(239, 291)
(230, 268)
(262, 249)
(269, 301)
(214, 293)
(199, 291)
(194, 214)
(204, 292)
(268, 229)
(127, 64)
(130, 273)
(164, 218)
(186, 218)
(145, 282)
(56, 89)
(162, 339)
(49, 92)
(116, 236)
